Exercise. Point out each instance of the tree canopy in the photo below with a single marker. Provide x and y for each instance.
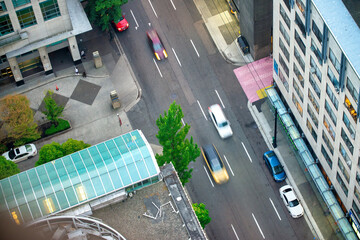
(177, 149)
(7, 168)
(53, 110)
(103, 12)
(202, 214)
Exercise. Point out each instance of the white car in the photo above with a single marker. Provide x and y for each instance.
(21, 153)
(222, 125)
(293, 205)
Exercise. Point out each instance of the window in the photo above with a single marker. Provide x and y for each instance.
(284, 16)
(301, 6)
(352, 90)
(287, 3)
(333, 79)
(284, 65)
(299, 59)
(313, 101)
(283, 49)
(326, 156)
(330, 112)
(347, 141)
(26, 17)
(329, 128)
(345, 156)
(343, 170)
(316, 31)
(350, 108)
(3, 59)
(2, 7)
(5, 25)
(50, 9)
(311, 130)
(18, 3)
(316, 51)
(315, 69)
(284, 80)
(334, 60)
(298, 75)
(355, 208)
(300, 24)
(332, 96)
(327, 142)
(300, 43)
(284, 33)
(297, 104)
(342, 184)
(312, 116)
(298, 91)
(349, 126)
(314, 85)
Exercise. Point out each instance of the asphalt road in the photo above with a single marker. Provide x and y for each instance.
(196, 76)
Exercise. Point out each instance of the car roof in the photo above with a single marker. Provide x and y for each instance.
(273, 160)
(210, 151)
(290, 195)
(218, 112)
(153, 35)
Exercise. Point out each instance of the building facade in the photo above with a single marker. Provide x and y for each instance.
(30, 30)
(317, 73)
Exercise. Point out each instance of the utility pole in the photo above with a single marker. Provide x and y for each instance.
(275, 129)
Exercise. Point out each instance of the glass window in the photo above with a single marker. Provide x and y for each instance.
(315, 69)
(26, 17)
(299, 59)
(333, 79)
(284, 80)
(284, 16)
(342, 184)
(18, 3)
(284, 65)
(349, 126)
(326, 156)
(297, 104)
(334, 60)
(343, 170)
(327, 143)
(330, 112)
(312, 115)
(300, 24)
(350, 108)
(345, 156)
(329, 128)
(284, 33)
(313, 101)
(298, 90)
(316, 31)
(2, 7)
(301, 6)
(3, 59)
(298, 75)
(283, 49)
(355, 207)
(50, 9)
(311, 130)
(347, 141)
(300, 43)
(287, 4)
(352, 90)
(316, 51)
(314, 85)
(5, 25)
(332, 96)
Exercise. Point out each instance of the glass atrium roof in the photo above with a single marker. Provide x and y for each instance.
(77, 178)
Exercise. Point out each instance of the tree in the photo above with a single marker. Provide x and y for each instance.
(102, 12)
(17, 120)
(71, 146)
(7, 168)
(202, 214)
(176, 148)
(53, 110)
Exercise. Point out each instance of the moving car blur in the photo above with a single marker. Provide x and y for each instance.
(221, 124)
(156, 44)
(215, 163)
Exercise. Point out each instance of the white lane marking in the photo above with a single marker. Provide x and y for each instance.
(153, 9)
(258, 226)
(220, 99)
(275, 209)
(246, 152)
(201, 109)
(194, 48)
(229, 166)
(137, 25)
(182, 120)
(157, 68)
(208, 176)
(173, 4)
(176, 57)
(234, 232)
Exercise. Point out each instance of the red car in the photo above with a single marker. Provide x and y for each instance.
(156, 44)
(122, 24)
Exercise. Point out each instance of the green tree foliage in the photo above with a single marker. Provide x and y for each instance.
(54, 150)
(102, 12)
(17, 119)
(53, 110)
(7, 168)
(176, 148)
(202, 214)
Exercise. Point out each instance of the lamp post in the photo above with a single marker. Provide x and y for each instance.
(275, 130)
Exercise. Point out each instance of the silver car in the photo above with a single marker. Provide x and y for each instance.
(222, 125)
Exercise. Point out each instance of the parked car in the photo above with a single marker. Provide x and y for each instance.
(156, 44)
(21, 153)
(274, 166)
(290, 200)
(221, 124)
(215, 164)
(121, 24)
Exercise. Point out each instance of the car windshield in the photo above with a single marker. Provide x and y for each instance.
(157, 47)
(12, 154)
(294, 203)
(278, 169)
(215, 164)
(270, 154)
(223, 124)
(120, 19)
(28, 148)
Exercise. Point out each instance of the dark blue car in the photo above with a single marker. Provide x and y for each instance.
(274, 166)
